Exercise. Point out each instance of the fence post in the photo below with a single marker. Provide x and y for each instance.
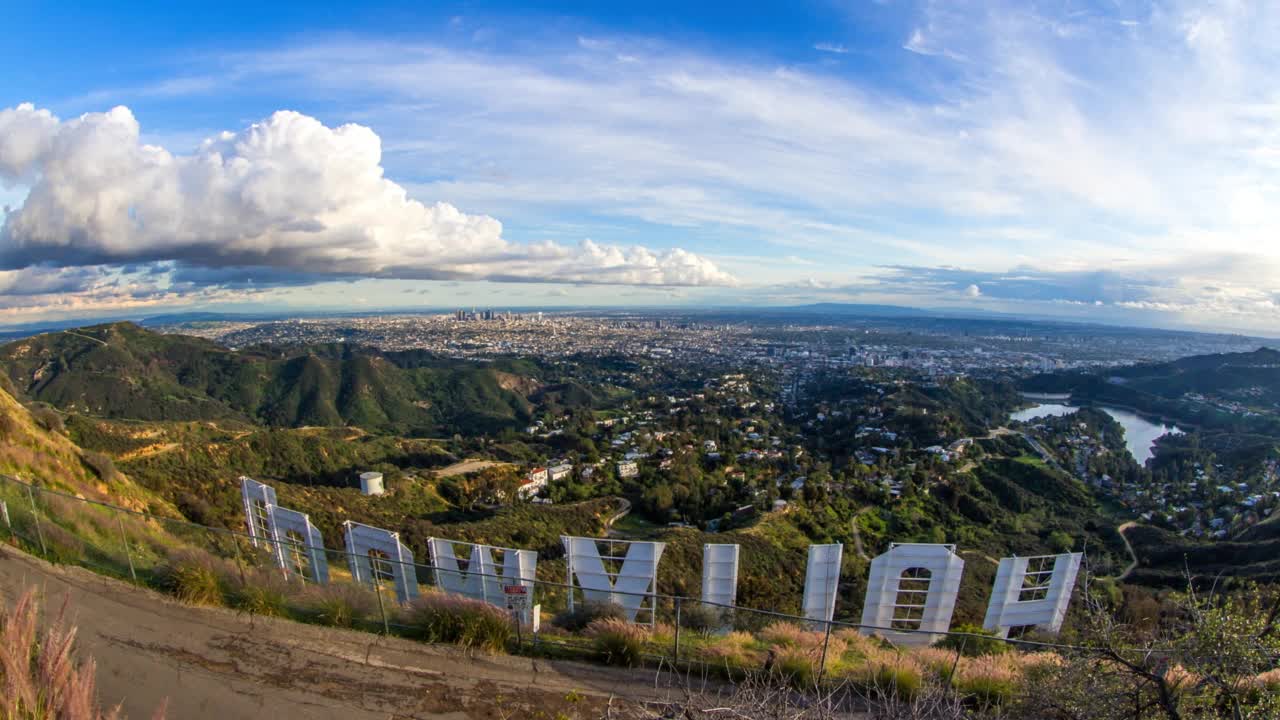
(127, 553)
(676, 662)
(382, 608)
(822, 668)
(4, 513)
(235, 543)
(35, 518)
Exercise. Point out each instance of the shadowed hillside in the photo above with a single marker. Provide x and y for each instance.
(123, 371)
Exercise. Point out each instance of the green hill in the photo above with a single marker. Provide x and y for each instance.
(1166, 559)
(123, 371)
(1231, 392)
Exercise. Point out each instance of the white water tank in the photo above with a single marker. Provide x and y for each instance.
(371, 483)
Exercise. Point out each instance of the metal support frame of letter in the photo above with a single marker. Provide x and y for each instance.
(821, 580)
(634, 582)
(1032, 591)
(394, 559)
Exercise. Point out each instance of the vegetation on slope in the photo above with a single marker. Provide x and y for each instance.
(123, 371)
(1249, 381)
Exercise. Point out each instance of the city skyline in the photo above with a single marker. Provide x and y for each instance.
(1110, 163)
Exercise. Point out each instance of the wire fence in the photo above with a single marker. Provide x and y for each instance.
(144, 548)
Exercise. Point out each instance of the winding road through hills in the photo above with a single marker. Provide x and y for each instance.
(216, 664)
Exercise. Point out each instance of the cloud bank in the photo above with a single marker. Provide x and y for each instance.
(287, 196)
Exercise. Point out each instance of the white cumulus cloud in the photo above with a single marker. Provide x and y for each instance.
(286, 194)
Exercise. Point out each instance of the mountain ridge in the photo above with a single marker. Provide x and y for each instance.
(123, 371)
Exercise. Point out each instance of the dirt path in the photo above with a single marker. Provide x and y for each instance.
(86, 337)
(148, 451)
(857, 534)
(1133, 564)
(217, 664)
(468, 466)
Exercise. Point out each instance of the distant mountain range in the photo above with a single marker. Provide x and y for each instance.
(825, 309)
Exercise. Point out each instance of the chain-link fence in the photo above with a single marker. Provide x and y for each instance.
(215, 566)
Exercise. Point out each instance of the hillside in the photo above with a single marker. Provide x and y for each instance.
(1232, 392)
(1165, 559)
(32, 449)
(123, 371)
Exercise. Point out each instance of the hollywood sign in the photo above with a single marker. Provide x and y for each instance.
(911, 590)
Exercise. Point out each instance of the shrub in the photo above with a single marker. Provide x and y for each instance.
(701, 618)
(617, 641)
(974, 643)
(584, 614)
(49, 419)
(100, 464)
(192, 579)
(265, 594)
(441, 618)
(342, 605)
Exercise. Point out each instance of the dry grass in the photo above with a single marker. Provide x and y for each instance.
(441, 618)
(1270, 680)
(195, 578)
(39, 673)
(263, 592)
(618, 642)
(732, 652)
(339, 605)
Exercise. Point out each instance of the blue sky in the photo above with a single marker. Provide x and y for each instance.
(1108, 161)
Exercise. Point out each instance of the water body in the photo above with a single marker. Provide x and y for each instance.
(1139, 433)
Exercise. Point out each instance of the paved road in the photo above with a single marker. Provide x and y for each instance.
(215, 664)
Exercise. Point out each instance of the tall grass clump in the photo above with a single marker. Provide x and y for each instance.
(263, 593)
(618, 642)
(39, 674)
(442, 618)
(901, 680)
(797, 667)
(987, 681)
(732, 652)
(193, 578)
(585, 613)
(339, 605)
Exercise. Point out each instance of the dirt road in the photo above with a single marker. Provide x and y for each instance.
(219, 665)
(468, 466)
